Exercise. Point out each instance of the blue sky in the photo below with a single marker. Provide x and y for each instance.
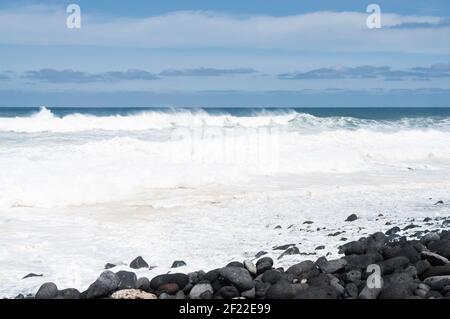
(287, 53)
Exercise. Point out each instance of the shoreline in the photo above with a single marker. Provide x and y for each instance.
(415, 268)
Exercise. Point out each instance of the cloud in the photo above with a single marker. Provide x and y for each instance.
(371, 72)
(318, 31)
(443, 23)
(71, 76)
(207, 72)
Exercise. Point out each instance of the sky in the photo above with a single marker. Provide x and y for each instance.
(204, 53)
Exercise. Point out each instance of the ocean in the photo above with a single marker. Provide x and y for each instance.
(80, 187)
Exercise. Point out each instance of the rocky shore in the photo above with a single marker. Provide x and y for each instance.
(382, 265)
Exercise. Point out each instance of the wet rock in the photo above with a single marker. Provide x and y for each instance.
(426, 239)
(351, 290)
(284, 290)
(260, 254)
(353, 276)
(107, 283)
(436, 271)
(434, 259)
(396, 291)
(290, 251)
(325, 292)
(264, 264)
(109, 266)
(392, 231)
(410, 226)
(30, 275)
(178, 263)
(132, 294)
(283, 247)
(393, 264)
(441, 247)
(249, 294)
(235, 264)
(320, 247)
(127, 279)
(169, 288)
(261, 288)
(180, 279)
(143, 284)
(47, 291)
(331, 266)
(433, 294)
(271, 276)
(229, 292)
(308, 222)
(199, 290)
(437, 282)
(351, 218)
(300, 268)
(353, 248)
(238, 277)
(69, 293)
(251, 267)
(360, 262)
(138, 263)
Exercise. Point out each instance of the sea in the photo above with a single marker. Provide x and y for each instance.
(82, 187)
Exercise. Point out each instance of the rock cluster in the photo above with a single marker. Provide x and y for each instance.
(384, 266)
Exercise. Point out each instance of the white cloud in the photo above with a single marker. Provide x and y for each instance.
(320, 31)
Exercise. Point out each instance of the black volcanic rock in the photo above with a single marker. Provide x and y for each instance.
(138, 263)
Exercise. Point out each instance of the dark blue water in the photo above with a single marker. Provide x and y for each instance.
(360, 113)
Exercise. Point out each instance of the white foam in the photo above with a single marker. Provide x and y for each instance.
(79, 191)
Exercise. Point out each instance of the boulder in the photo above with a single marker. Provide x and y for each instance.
(284, 290)
(107, 283)
(393, 264)
(360, 262)
(434, 259)
(331, 266)
(436, 271)
(228, 292)
(127, 279)
(200, 291)
(180, 279)
(235, 264)
(138, 263)
(351, 218)
(351, 290)
(300, 268)
(353, 276)
(238, 277)
(132, 294)
(271, 276)
(251, 267)
(143, 284)
(69, 293)
(433, 236)
(397, 291)
(437, 282)
(47, 291)
(325, 292)
(264, 264)
(441, 247)
(178, 263)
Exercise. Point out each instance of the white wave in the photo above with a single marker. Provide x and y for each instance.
(125, 169)
(46, 121)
